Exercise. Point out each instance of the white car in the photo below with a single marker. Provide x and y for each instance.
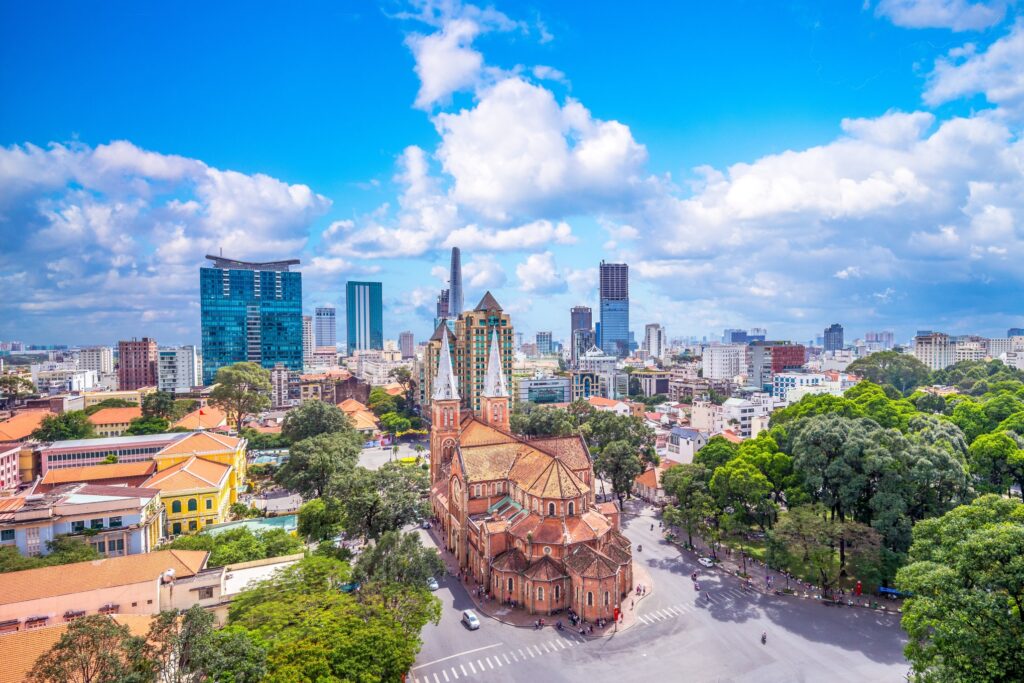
(706, 562)
(470, 619)
(432, 584)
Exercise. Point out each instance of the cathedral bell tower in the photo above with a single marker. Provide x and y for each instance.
(494, 401)
(444, 415)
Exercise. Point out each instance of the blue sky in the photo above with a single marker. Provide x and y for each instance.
(781, 165)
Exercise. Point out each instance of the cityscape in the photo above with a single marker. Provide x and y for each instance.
(510, 403)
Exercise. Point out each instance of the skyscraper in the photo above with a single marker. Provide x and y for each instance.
(455, 285)
(544, 343)
(326, 326)
(654, 340)
(179, 369)
(307, 341)
(364, 309)
(834, 337)
(614, 290)
(250, 312)
(473, 330)
(136, 364)
(406, 344)
(581, 318)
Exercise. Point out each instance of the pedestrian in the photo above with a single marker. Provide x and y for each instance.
(630, 604)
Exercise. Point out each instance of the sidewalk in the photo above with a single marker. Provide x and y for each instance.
(520, 618)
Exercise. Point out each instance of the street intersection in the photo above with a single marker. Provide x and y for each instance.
(678, 635)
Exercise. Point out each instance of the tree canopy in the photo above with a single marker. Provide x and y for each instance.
(316, 465)
(74, 424)
(240, 545)
(240, 390)
(900, 370)
(313, 418)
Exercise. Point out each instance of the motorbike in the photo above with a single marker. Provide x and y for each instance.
(639, 548)
(764, 638)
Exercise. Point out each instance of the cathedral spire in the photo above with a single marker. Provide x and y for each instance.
(445, 387)
(495, 385)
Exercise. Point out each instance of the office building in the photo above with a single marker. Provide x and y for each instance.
(879, 341)
(325, 326)
(544, 344)
(280, 387)
(442, 306)
(934, 349)
(407, 344)
(768, 358)
(614, 294)
(654, 340)
(364, 308)
(582, 341)
(724, 361)
(136, 363)
(179, 369)
(250, 312)
(1015, 332)
(833, 337)
(455, 301)
(543, 389)
(581, 318)
(308, 342)
(99, 359)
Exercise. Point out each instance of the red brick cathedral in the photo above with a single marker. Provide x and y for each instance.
(518, 512)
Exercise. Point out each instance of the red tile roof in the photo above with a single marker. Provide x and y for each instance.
(115, 416)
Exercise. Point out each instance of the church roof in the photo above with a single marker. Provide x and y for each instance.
(588, 563)
(487, 462)
(544, 569)
(569, 449)
(554, 480)
(494, 384)
(445, 388)
(488, 303)
(510, 561)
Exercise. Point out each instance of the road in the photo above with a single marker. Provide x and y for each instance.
(678, 636)
(373, 458)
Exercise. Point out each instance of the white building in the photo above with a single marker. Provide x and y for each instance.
(99, 359)
(543, 389)
(654, 340)
(935, 350)
(684, 442)
(326, 326)
(596, 360)
(308, 342)
(59, 376)
(179, 369)
(784, 382)
(724, 361)
(280, 381)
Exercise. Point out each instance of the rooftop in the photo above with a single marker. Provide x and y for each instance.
(195, 473)
(232, 264)
(21, 425)
(119, 441)
(206, 417)
(113, 416)
(119, 470)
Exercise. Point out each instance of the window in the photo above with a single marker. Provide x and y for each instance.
(551, 509)
(115, 522)
(7, 535)
(558, 592)
(206, 593)
(101, 547)
(176, 529)
(547, 550)
(510, 585)
(540, 592)
(590, 599)
(572, 508)
(209, 503)
(193, 525)
(96, 523)
(176, 506)
(606, 598)
(77, 526)
(209, 520)
(193, 505)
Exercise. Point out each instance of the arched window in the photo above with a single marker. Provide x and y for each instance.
(606, 598)
(572, 508)
(176, 506)
(540, 592)
(558, 592)
(551, 509)
(193, 505)
(510, 585)
(590, 599)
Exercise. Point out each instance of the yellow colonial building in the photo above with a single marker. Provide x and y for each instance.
(196, 492)
(210, 446)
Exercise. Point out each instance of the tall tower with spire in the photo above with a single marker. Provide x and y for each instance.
(494, 401)
(444, 415)
(455, 285)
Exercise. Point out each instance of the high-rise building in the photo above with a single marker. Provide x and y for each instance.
(473, 329)
(934, 349)
(136, 364)
(582, 341)
(280, 387)
(442, 304)
(723, 361)
(407, 344)
(364, 308)
(1015, 332)
(833, 337)
(581, 318)
(325, 326)
(544, 343)
(308, 341)
(455, 302)
(179, 369)
(654, 340)
(250, 312)
(614, 291)
(99, 359)
(768, 358)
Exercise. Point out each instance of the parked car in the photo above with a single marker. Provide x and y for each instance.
(425, 524)
(470, 619)
(706, 562)
(432, 584)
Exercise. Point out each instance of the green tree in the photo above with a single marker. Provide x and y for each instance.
(240, 390)
(68, 549)
(95, 649)
(1014, 423)
(763, 453)
(158, 404)
(620, 463)
(240, 545)
(929, 403)
(394, 424)
(990, 457)
(532, 420)
(688, 485)
(73, 424)
(403, 376)
(321, 519)
(816, 404)
(715, 453)
(109, 403)
(738, 484)
(901, 370)
(313, 418)
(15, 387)
(397, 557)
(603, 428)
(185, 647)
(314, 465)
(147, 425)
(381, 402)
(970, 417)
(378, 501)
(966, 617)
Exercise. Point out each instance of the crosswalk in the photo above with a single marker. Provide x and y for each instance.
(483, 664)
(675, 611)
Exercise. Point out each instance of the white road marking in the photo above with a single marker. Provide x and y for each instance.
(455, 673)
(458, 654)
(558, 642)
(641, 620)
(545, 646)
(506, 659)
(521, 653)
(481, 665)
(489, 662)
(446, 679)
(498, 660)
(472, 668)
(436, 678)
(532, 656)
(463, 667)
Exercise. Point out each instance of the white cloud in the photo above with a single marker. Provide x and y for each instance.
(538, 233)
(483, 272)
(445, 62)
(958, 15)
(997, 72)
(539, 274)
(549, 73)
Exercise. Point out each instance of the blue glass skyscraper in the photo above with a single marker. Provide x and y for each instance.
(614, 284)
(250, 312)
(364, 308)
